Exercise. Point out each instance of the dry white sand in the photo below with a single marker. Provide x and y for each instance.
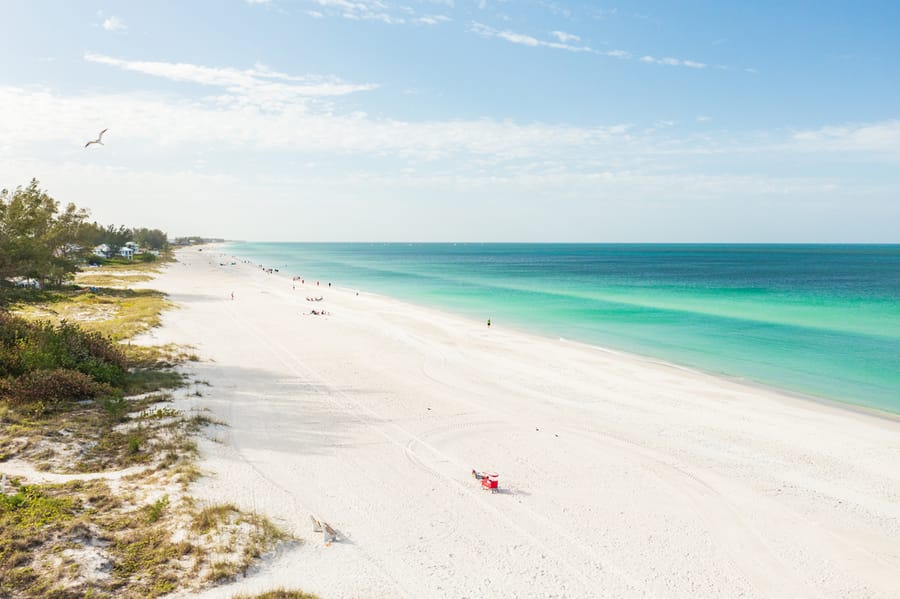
(621, 477)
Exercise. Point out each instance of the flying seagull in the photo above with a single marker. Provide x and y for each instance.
(97, 141)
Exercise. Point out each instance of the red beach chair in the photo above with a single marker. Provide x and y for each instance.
(491, 482)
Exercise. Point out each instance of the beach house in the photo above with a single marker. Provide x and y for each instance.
(129, 250)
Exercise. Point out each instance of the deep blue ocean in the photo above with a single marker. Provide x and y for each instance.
(822, 320)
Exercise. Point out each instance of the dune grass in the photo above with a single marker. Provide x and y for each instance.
(116, 313)
(111, 280)
(259, 536)
(51, 534)
(278, 594)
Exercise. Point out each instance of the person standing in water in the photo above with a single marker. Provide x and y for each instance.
(489, 323)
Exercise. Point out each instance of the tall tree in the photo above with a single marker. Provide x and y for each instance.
(34, 241)
(115, 238)
(153, 239)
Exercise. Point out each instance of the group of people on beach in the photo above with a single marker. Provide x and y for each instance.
(294, 281)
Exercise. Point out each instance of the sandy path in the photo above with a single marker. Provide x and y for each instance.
(621, 477)
(33, 476)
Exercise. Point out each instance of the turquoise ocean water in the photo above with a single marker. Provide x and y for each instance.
(822, 320)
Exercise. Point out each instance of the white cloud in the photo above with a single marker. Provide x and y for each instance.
(605, 204)
(315, 14)
(259, 86)
(872, 137)
(248, 115)
(564, 37)
(637, 183)
(564, 43)
(524, 40)
(364, 10)
(432, 20)
(674, 62)
(254, 136)
(114, 24)
(42, 116)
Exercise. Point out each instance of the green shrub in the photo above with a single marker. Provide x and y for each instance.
(46, 390)
(31, 507)
(7, 387)
(116, 407)
(27, 346)
(156, 510)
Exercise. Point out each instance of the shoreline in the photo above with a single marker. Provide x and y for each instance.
(617, 473)
(791, 394)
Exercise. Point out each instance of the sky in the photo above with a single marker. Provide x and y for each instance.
(461, 120)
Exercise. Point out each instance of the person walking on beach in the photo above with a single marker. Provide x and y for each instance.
(232, 296)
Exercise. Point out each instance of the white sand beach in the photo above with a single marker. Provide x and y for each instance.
(619, 476)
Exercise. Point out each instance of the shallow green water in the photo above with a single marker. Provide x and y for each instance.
(817, 319)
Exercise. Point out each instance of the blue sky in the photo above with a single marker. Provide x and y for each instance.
(461, 120)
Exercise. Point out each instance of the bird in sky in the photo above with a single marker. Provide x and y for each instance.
(97, 141)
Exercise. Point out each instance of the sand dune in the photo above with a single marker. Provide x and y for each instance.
(620, 477)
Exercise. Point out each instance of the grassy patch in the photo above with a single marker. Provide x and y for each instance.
(90, 279)
(115, 313)
(31, 507)
(159, 356)
(147, 380)
(31, 518)
(103, 434)
(278, 594)
(212, 517)
(53, 536)
(249, 537)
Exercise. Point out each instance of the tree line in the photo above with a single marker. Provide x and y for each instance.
(42, 241)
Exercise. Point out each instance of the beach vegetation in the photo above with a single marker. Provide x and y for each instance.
(155, 510)
(115, 313)
(280, 593)
(145, 547)
(43, 244)
(217, 522)
(84, 539)
(27, 346)
(39, 243)
(78, 397)
(105, 279)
